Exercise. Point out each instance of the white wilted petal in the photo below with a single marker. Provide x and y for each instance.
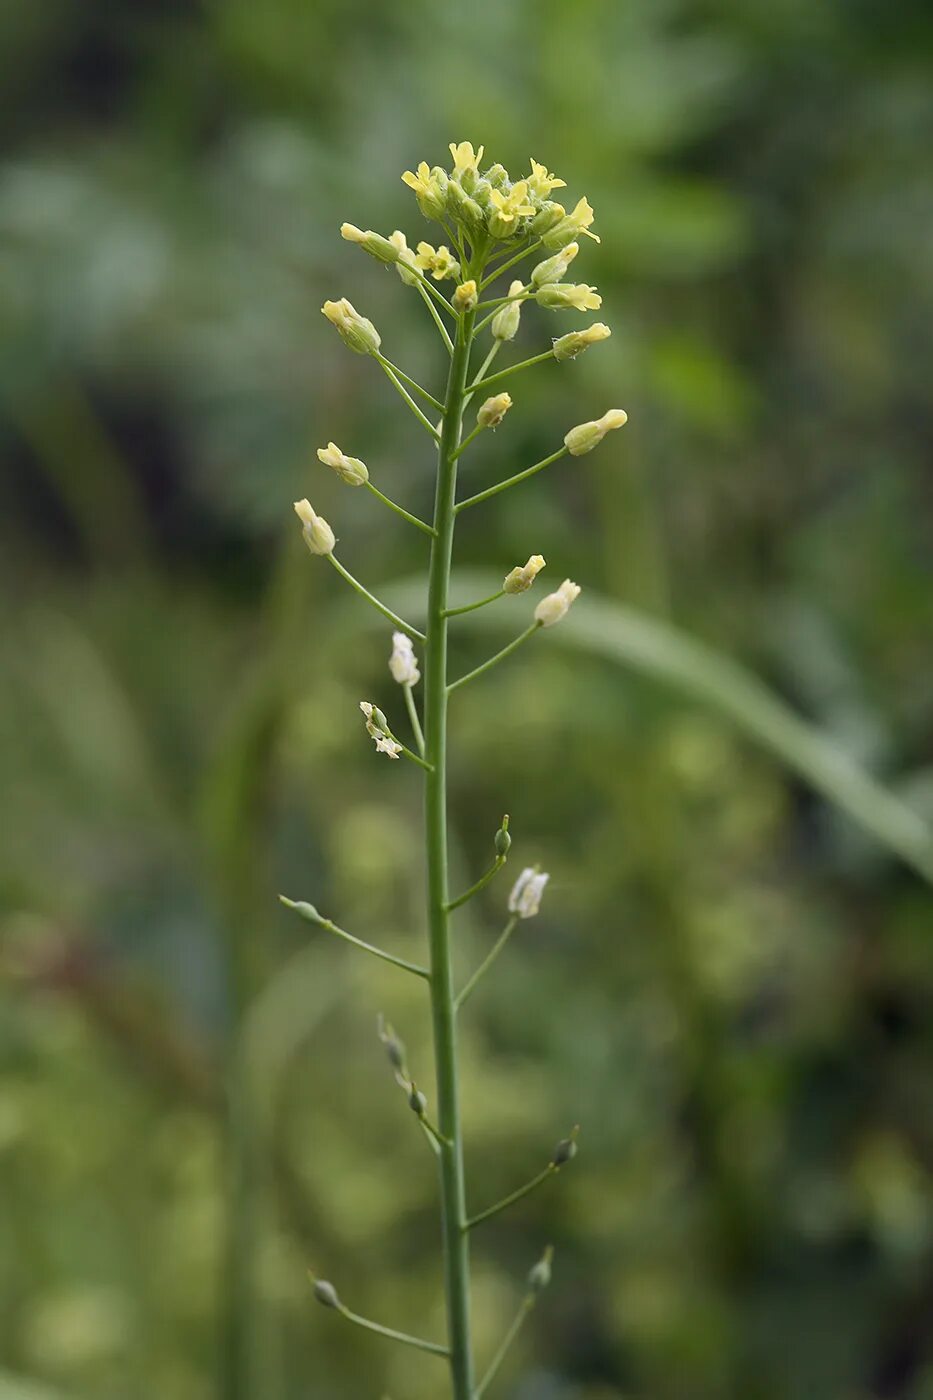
(525, 898)
(556, 605)
(402, 662)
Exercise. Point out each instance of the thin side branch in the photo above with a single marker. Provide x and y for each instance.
(471, 607)
(481, 884)
(487, 963)
(400, 510)
(436, 319)
(525, 1308)
(510, 481)
(425, 422)
(532, 1185)
(413, 383)
(513, 369)
(415, 721)
(504, 267)
(494, 660)
(419, 1343)
(309, 913)
(399, 622)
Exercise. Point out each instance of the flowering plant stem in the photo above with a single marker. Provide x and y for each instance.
(443, 1012)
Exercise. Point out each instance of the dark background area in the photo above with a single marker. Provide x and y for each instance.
(730, 985)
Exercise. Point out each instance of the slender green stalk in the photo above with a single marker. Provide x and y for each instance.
(437, 320)
(510, 481)
(478, 376)
(399, 622)
(512, 369)
(480, 427)
(526, 1190)
(487, 962)
(400, 510)
(524, 296)
(481, 603)
(504, 267)
(433, 1347)
(412, 383)
(429, 287)
(527, 1304)
(481, 884)
(412, 709)
(309, 913)
(453, 1196)
(494, 660)
(391, 375)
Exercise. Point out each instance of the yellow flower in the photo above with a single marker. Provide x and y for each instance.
(507, 209)
(492, 412)
(466, 296)
(557, 295)
(572, 224)
(420, 180)
(440, 262)
(405, 259)
(465, 158)
(430, 187)
(540, 182)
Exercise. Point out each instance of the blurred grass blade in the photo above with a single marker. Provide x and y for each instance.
(632, 638)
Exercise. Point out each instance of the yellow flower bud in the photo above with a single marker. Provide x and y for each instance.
(567, 347)
(373, 243)
(466, 296)
(405, 258)
(465, 159)
(568, 227)
(547, 217)
(349, 469)
(556, 605)
(465, 210)
(558, 295)
(553, 269)
(508, 209)
(505, 322)
(523, 575)
(318, 535)
(356, 332)
(540, 182)
(439, 262)
(491, 413)
(430, 189)
(585, 436)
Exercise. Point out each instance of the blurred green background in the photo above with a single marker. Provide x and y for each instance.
(731, 983)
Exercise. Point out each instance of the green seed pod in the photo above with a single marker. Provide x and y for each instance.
(326, 1293)
(417, 1101)
(394, 1048)
(503, 839)
(565, 1151)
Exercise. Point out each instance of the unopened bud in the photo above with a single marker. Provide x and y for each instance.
(497, 175)
(417, 1101)
(464, 209)
(566, 1150)
(540, 1275)
(547, 217)
(466, 296)
(567, 347)
(317, 534)
(585, 436)
(355, 331)
(557, 604)
(503, 839)
(523, 575)
(405, 259)
(326, 1293)
(559, 296)
(395, 1050)
(505, 323)
(553, 269)
(373, 243)
(349, 469)
(491, 413)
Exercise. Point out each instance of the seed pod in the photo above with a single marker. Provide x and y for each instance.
(326, 1293)
(503, 839)
(565, 1151)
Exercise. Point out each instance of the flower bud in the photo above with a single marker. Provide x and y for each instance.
(405, 260)
(523, 575)
(318, 535)
(430, 187)
(326, 1293)
(498, 176)
(553, 269)
(349, 469)
(565, 1151)
(549, 215)
(525, 898)
(540, 1275)
(570, 226)
(402, 662)
(491, 413)
(464, 209)
(503, 839)
(417, 1101)
(466, 160)
(373, 243)
(556, 605)
(585, 436)
(356, 332)
(505, 322)
(557, 296)
(541, 181)
(466, 296)
(567, 347)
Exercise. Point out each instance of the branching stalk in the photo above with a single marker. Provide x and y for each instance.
(397, 621)
(308, 912)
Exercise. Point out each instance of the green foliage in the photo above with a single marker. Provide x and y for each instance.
(737, 970)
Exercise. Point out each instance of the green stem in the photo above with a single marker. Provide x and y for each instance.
(437, 320)
(480, 427)
(433, 1347)
(413, 383)
(510, 481)
(526, 1190)
(399, 622)
(412, 709)
(478, 376)
(487, 962)
(493, 660)
(453, 1196)
(504, 267)
(425, 422)
(471, 607)
(310, 914)
(512, 369)
(527, 1304)
(400, 510)
(481, 884)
